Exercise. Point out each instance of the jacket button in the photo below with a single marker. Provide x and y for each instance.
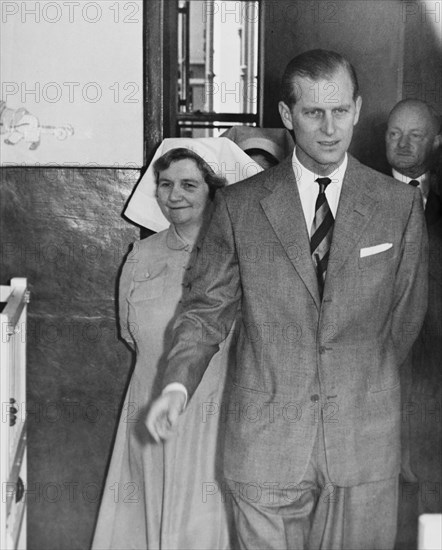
(321, 350)
(314, 398)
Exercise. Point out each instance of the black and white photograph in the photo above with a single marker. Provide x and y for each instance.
(221, 274)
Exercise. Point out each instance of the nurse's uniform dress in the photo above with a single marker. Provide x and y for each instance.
(166, 495)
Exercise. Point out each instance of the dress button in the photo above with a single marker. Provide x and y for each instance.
(147, 274)
(314, 398)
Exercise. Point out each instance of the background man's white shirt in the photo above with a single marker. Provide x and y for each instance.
(424, 183)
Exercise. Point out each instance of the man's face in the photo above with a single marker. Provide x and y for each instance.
(322, 119)
(410, 139)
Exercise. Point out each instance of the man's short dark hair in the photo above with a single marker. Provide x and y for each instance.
(315, 64)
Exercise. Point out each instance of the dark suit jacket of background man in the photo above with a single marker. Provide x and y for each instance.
(422, 407)
(296, 354)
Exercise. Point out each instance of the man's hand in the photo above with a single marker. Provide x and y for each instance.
(163, 414)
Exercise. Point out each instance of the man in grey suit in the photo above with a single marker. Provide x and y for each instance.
(329, 291)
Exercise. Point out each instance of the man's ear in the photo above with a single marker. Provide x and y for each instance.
(358, 103)
(437, 142)
(286, 115)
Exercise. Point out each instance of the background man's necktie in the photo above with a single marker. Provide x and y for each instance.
(321, 233)
(414, 183)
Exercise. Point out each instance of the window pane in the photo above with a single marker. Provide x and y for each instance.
(218, 56)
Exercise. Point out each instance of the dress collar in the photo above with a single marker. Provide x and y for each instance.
(175, 242)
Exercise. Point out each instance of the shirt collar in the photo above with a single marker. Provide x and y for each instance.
(305, 177)
(423, 179)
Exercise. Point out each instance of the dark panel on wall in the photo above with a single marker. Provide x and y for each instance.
(62, 230)
(161, 72)
(368, 32)
(423, 53)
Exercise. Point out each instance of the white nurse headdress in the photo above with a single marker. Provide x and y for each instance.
(223, 156)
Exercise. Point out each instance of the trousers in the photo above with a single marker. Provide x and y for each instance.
(314, 514)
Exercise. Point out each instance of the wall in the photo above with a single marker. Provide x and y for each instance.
(65, 64)
(423, 52)
(62, 230)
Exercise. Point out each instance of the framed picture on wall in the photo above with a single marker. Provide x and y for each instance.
(71, 83)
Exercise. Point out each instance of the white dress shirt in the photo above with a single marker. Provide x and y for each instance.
(424, 183)
(309, 188)
(308, 192)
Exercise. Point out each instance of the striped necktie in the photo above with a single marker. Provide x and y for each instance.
(321, 233)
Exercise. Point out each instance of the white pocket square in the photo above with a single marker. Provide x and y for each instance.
(370, 250)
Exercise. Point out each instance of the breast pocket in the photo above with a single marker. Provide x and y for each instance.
(378, 258)
(147, 286)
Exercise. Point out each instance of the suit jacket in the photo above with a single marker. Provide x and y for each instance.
(300, 360)
(423, 385)
(427, 350)
(433, 208)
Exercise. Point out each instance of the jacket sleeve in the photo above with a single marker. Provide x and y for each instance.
(411, 287)
(212, 293)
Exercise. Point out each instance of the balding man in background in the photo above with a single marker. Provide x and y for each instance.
(413, 141)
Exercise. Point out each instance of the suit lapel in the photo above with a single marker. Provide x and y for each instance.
(284, 211)
(355, 209)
